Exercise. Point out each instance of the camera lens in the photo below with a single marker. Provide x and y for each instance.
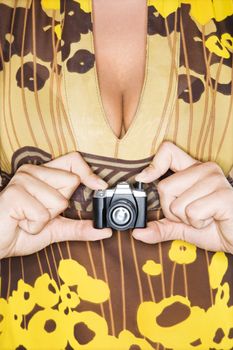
(122, 215)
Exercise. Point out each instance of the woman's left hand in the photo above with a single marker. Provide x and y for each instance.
(197, 201)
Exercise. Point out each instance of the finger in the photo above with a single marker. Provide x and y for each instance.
(58, 230)
(50, 198)
(166, 230)
(171, 188)
(63, 181)
(217, 205)
(176, 205)
(19, 208)
(81, 230)
(74, 163)
(169, 156)
(184, 179)
(160, 231)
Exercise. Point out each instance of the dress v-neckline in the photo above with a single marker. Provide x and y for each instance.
(83, 103)
(135, 118)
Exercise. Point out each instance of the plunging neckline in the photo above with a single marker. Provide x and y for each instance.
(104, 117)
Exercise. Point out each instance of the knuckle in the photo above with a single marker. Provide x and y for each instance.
(74, 156)
(191, 212)
(156, 229)
(21, 177)
(25, 168)
(74, 180)
(174, 207)
(44, 216)
(212, 166)
(167, 144)
(216, 179)
(63, 204)
(91, 176)
(161, 187)
(13, 189)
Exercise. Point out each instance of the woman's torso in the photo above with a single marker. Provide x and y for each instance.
(54, 102)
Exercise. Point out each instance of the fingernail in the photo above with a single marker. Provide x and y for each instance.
(107, 233)
(102, 183)
(139, 177)
(142, 176)
(136, 234)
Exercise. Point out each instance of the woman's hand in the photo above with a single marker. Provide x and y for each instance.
(32, 201)
(197, 201)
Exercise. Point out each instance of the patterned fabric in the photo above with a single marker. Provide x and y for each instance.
(119, 293)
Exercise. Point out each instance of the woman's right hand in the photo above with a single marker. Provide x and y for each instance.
(31, 204)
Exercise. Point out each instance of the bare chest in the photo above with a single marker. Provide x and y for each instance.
(120, 31)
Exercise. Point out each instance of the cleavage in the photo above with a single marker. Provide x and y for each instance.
(120, 38)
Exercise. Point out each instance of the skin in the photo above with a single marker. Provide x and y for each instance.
(120, 54)
(32, 222)
(197, 200)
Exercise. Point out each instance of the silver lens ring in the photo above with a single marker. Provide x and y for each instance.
(121, 216)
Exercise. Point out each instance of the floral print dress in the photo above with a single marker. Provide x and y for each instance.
(119, 293)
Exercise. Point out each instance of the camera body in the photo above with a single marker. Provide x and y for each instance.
(120, 208)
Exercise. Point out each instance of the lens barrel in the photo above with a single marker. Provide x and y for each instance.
(122, 214)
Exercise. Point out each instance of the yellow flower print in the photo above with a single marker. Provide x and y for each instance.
(50, 4)
(71, 272)
(47, 329)
(156, 322)
(90, 289)
(69, 298)
(85, 5)
(3, 314)
(182, 252)
(13, 337)
(165, 7)
(128, 339)
(151, 268)
(89, 323)
(213, 43)
(222, 9)
(108, 343)
(22, 300)
(87, 330)
(217, 269)
(57, 30)
(46, 291)
(93, 290)
(201, 11)
(13, 317)
(63, 308)
(219, 322)
(222, 296)
(227, 41)
(11, 333)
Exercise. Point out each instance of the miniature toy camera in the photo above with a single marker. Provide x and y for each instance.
(120, 208)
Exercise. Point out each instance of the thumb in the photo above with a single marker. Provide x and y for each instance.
(169, 156)
(162, 230)
(64, 229)
(167, 230)
(57, 230)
